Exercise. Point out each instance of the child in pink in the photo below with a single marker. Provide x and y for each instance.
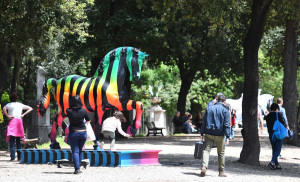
(15, 130)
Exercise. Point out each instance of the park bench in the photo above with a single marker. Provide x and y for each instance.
(30, 143)
(154, 130)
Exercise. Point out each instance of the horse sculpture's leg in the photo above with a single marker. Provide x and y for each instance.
(97, 129)
(131, 104)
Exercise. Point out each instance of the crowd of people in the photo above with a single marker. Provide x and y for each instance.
(216, 128)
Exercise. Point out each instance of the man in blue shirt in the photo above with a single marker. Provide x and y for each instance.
(216, 125)
(211, 103)
(281, 109)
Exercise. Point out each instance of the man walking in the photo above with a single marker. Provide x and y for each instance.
(281, 109)
(216, 125)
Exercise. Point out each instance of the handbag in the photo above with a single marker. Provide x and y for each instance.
(198, 150)
(89, 133)
(280, 132)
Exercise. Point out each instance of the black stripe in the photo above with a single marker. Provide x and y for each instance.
(79, 86)
(116, 159)
(25, 156)
(40, 156)
(100, 158)
(133, 104)
(108, 158)
(73, 79)
(92, 158)
(86, 96)
(69, 155)
(107, 79)
(134, 62)
(61, 95)
(76, 77)
(32, 156)
(95, 91)
(47, 156)
(123, 92)
(84, 155)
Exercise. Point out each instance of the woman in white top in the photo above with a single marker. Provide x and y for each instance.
(15, 130)
(109, 127)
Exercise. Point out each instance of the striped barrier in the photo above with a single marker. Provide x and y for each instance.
(96, 157)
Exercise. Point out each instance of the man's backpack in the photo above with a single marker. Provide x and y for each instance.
(279, 130)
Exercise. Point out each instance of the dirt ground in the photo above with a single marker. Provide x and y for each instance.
(177, 164)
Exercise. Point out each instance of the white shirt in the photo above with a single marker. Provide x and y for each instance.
(15, 109)
(111, 124)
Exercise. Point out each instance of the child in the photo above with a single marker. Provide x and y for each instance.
(110, 125)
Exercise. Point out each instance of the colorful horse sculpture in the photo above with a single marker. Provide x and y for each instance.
(107, 89)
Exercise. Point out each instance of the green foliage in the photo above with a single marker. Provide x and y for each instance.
(203, 89)
(3, 125)
(270, 76)
(168, 77)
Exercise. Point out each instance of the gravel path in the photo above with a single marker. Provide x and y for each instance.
(175, 150)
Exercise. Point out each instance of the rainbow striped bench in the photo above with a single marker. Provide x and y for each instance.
(121, 158)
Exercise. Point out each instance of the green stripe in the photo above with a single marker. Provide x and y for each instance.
(114, 71)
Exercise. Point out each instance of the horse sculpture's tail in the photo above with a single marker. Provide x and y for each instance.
(45, 99)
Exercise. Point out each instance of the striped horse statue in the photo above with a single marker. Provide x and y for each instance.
(107, 89)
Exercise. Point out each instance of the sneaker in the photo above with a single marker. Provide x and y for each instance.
(203, 172)
(272, 165)
(77, 171)
(222, 174)
(278, 167)
(101, 145)
(281, 157)
(194, 130)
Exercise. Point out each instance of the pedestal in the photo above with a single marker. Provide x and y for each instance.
(122, 158)
(158, 116)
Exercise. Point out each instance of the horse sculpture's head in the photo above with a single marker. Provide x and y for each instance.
(132, 56)
(134, 60)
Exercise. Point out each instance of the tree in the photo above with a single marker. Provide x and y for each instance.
(251, 147)
(28, 28)
(290, 60)
(195, 37)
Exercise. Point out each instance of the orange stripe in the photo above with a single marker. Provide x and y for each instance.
(66, 101)
(129, 105)
(91, 95)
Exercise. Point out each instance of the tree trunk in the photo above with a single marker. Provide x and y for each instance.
(251, 147)
(27, 80)
(15, 76)
(186, 82)
(5, 62)
(289, 90)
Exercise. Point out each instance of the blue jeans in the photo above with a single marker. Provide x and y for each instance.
(276, 149)
(77, 140)
(187, 127)
(12, 141)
